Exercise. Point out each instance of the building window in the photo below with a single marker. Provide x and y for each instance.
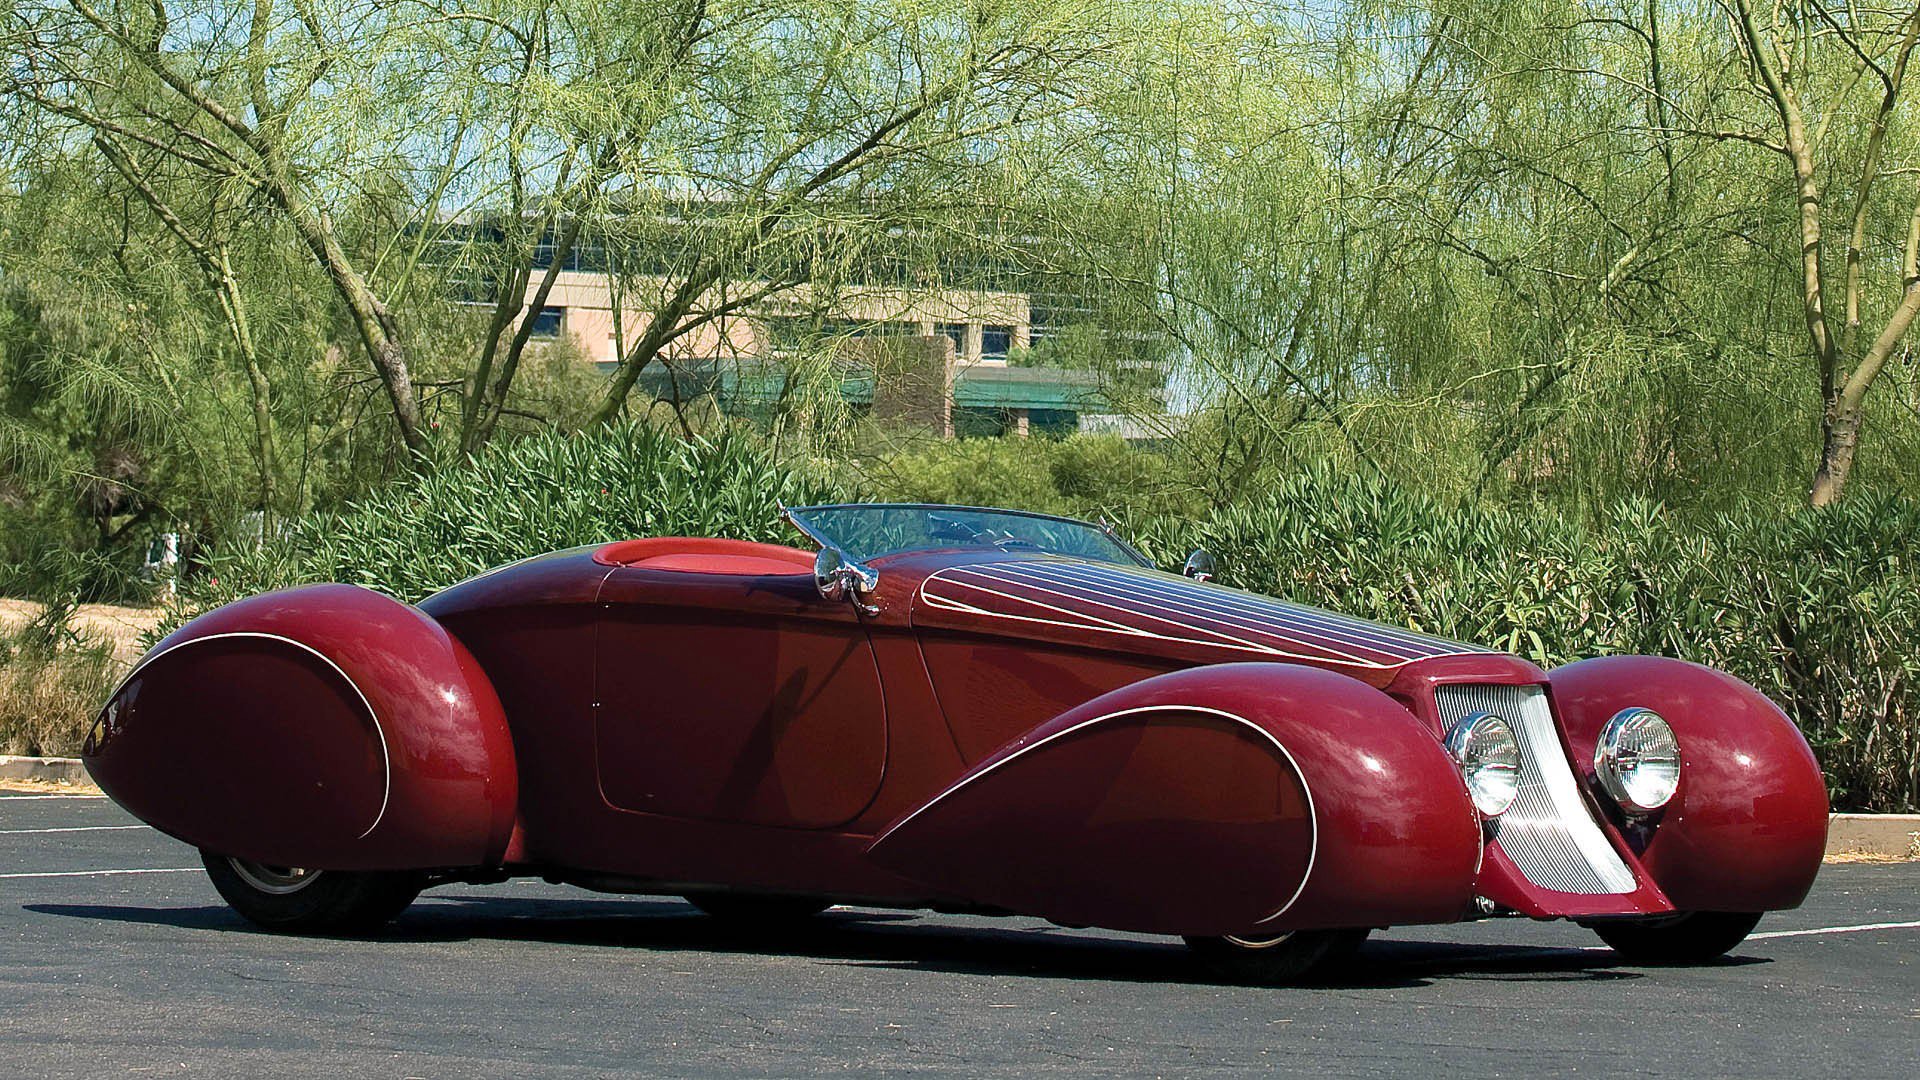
(995, 340)
(956, 333)
(547, 323)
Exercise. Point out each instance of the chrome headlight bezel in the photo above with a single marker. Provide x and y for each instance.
(1637, 748)
(1488, 753)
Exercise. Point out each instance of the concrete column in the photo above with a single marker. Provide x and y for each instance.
(1019, 425)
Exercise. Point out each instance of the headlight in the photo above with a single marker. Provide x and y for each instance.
(1638, 760)
(1489, 758)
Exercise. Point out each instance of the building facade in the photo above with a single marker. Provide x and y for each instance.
(944, 351)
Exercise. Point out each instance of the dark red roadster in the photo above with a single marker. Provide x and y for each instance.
(961, 709)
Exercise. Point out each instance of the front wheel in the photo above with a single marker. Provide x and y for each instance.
(1694, 937)
(296, 900)
(1282, 958)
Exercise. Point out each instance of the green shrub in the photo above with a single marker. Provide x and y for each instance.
(1083, 475)
(1819, 610)
(521, 498)
(52, 681)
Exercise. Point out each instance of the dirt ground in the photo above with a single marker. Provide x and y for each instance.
(102, 622)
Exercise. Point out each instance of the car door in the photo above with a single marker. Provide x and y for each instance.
(736, 698)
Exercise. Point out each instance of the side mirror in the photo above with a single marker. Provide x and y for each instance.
(839, 578)
(1199, 565)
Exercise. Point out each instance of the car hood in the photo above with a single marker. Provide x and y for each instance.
(1145, 611)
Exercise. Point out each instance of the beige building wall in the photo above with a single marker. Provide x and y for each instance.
(587, 303)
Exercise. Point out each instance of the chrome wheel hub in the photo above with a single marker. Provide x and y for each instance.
(277, 880)
(1260, 943)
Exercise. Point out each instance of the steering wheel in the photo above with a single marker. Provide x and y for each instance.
(941, 527)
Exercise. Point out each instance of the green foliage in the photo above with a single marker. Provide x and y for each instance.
(1485, 318)
(1084, 475)
(51, 683)
(533, 495)
(1820, 610)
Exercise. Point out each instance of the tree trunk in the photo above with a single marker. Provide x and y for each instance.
(370, 316)
(1839, 435)
(259, 390)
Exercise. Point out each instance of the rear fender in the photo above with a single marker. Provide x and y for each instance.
(1747, 828)
(1231, 799)
(326, 727)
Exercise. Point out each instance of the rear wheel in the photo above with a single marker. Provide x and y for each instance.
(749, 909)
(1694, 937)
(296, 900)
(1282, 958)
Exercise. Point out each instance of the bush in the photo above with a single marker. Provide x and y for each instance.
(1083, 475)
(1819, 610)
(521, 498)
(51, 684)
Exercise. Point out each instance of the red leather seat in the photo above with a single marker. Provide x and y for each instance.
(706, 555)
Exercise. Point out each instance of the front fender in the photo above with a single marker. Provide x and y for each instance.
(1237, 798)
(325, 726)
(1747, 828)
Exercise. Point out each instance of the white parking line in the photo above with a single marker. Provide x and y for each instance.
(25, 798)
(1837, 930)
(72, 828)
(103, 873)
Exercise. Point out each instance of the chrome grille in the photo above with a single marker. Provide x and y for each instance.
(1548, 832)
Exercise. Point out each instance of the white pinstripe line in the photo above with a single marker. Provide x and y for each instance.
(386, 755)
(1005, 575)
(1306, 629)
(1272, 628)
(1306, 789)
(1088, 593)
(1278, 621)
(934, 600)
(1358, 632)
(1120, 628)
(1081, 620)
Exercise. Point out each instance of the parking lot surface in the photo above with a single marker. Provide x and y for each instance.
(118, 958)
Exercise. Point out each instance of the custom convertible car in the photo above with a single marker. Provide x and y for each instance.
(960, 709)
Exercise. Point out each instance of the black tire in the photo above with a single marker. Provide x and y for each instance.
(1694, 937)
(750, 909)
(1279, 960)
(294, 901)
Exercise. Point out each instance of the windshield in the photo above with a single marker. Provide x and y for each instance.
(869, 530)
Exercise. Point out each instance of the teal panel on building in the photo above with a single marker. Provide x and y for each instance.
(1060, 395)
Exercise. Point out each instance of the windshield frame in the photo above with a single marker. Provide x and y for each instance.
(792, 516)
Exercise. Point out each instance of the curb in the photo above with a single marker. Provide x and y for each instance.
(47, 770)
(1893, 836)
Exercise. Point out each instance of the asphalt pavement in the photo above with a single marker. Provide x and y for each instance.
(118, 958)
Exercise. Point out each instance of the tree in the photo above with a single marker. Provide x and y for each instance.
(416, 149)
(1812, 62)
(262, 101)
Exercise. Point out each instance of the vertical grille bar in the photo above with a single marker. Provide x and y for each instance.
(1548, 832)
